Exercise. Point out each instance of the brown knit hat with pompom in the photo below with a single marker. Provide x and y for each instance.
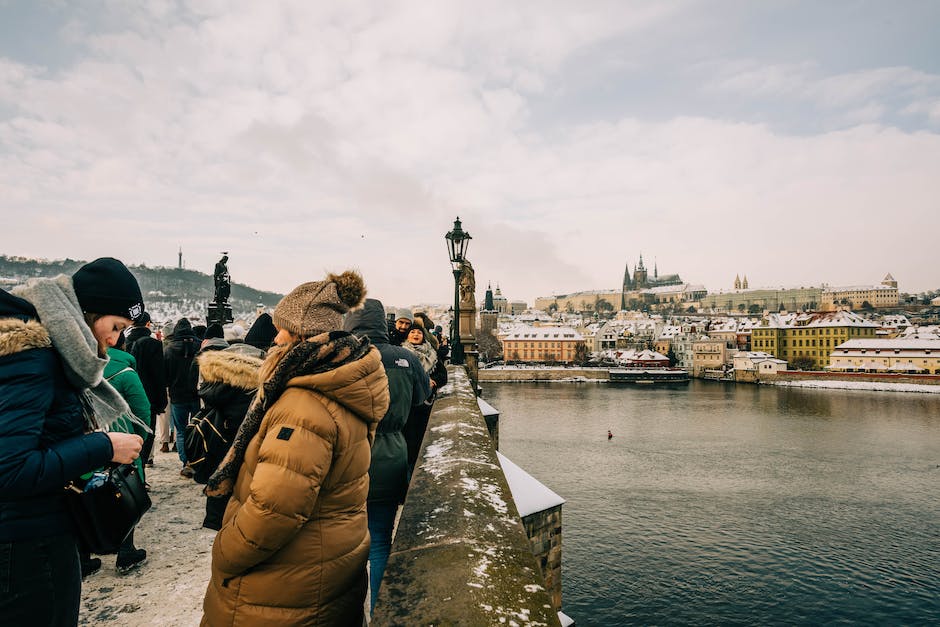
(317, 307)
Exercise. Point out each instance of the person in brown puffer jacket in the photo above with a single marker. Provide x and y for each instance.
(294, 540)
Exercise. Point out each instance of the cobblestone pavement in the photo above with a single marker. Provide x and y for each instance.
(168, 588)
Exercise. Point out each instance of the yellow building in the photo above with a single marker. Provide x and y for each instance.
(708, 354)
(854, 297)
(540, 344)
(813, 336)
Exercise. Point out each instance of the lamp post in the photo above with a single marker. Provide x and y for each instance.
(457, 241)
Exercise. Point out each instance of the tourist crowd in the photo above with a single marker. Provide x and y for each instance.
(304, 430)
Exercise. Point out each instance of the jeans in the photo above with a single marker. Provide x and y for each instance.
(180, 413)
(40, 582)
(381, 525)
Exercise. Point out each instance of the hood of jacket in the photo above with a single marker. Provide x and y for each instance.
(118, 360)
(368, 322)
(229, 367)
(20, 329)
(360, 386)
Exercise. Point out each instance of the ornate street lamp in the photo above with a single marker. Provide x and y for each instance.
(457, 241)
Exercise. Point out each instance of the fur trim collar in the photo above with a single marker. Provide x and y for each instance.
(235, 369)
(17, 336)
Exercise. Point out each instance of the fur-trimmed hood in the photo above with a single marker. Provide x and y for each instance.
(230, 368)
(17, 336)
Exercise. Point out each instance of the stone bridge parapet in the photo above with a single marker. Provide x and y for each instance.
(460, 554)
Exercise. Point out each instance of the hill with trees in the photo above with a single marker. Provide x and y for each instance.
(169, 293)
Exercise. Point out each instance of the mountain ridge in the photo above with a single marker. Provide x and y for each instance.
(169, 293)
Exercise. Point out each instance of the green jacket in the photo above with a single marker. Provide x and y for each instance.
(121, 373)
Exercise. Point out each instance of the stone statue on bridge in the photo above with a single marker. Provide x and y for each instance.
(219, 310)
(223, 282)
(468, 286)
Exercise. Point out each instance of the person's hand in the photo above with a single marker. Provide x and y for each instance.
(126, 447)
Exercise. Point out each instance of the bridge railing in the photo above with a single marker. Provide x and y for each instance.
(461, 555)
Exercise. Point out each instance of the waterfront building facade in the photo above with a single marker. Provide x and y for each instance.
(809, 335)
(540, 344)
(899, 355)
(708, 354)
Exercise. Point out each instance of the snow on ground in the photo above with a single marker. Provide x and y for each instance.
(875, 386)
(168, 589)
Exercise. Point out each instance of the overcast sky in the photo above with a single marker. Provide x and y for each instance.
(797, 143)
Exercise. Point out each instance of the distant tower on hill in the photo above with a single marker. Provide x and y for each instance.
(180, 266)
(640, 275)
(737, 281)
(744, 283)
(488, 299)
(890, 281)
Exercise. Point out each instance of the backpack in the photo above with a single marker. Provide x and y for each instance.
(204, 444)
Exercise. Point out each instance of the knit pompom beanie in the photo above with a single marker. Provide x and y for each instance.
(317, 307)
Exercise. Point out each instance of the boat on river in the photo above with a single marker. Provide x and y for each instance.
(649, 376)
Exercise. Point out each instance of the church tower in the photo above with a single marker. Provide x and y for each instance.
(640, 275)
(489, 315)
(737, 282)
(744, 283)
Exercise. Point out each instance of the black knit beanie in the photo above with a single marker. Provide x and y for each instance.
(214, 330)
(262, 332)
(105, 286)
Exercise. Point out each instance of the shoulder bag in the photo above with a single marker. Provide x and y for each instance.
(107, 506)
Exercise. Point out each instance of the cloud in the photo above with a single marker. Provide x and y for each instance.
(306, 137)
(866, 95)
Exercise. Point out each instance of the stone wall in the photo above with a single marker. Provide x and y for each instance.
(805, 375)
(544, 531)
(461, 555)
(544, 374)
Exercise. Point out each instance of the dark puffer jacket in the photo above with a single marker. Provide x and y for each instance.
(42, 441)
(408, 385)
(148, 351)
(229, 383)
(181, 378)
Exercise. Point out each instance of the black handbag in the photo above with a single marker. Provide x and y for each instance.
(107, 507)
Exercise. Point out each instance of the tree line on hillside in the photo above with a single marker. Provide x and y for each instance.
(157, 284)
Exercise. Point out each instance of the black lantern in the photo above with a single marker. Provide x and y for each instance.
(457, 241)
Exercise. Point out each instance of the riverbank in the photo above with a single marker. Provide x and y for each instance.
(817, 380)
(545, 373)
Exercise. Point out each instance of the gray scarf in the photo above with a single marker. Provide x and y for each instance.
(426, 354)
(57, 305)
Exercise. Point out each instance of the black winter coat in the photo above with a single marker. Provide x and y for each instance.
(181, 378)
(43, 445)
(148, 351)
(229, 382)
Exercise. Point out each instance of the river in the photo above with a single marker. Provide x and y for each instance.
(729, 504)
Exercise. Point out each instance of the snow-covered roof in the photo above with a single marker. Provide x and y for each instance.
(529, 493)
(826, 319)
(543, 334)
(898, 343)
(858, 288)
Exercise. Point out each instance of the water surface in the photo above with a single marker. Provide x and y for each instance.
(736, 504)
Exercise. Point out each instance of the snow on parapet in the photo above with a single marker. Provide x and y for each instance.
(529, 493)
